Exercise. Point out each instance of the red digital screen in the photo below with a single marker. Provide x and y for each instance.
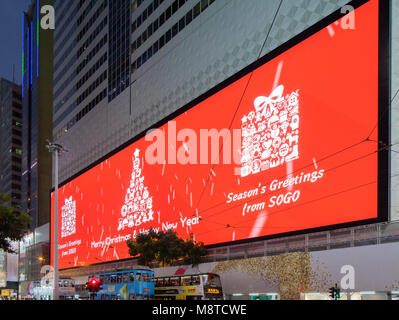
(304, 125)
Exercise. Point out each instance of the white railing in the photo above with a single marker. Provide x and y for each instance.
(340, 238)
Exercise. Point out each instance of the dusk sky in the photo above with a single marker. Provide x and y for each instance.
(10, 35)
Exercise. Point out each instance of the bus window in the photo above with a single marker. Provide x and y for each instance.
(126, 277)
(185, 281)
(195, 280)
(159, 282)
(212, 280)
(175, 282)
(119, 278)
(139, 297)
(102, 278)
(147, 277)
(131, 279)
(131, 297)
(106, 279)
(113, 278)
(138, 276)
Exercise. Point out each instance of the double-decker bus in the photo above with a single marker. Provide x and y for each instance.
(135, 284)
(43, 289)
(204, 286)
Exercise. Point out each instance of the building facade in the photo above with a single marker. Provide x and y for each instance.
(129, 64)
(10, 140)
(10, 166)
(37, 110)
(37, 69)
(37, 105)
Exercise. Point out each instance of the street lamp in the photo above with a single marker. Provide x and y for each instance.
(55, 149)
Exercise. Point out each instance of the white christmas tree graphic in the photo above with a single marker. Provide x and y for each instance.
(137, 208)
(270, 134)
(68, 215)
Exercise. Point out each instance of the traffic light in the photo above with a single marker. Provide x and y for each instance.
(331, 291)
(93, 285)
(335, 292)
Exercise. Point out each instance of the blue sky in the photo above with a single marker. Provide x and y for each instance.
(11, 37)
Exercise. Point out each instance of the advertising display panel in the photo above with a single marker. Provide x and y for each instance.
(295, 142)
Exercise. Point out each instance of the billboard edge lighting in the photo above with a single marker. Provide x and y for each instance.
(384, 65)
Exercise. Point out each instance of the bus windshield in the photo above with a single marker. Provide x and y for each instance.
(212, 280)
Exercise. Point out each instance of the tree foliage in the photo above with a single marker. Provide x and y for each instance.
(13, 224)
(166, 248)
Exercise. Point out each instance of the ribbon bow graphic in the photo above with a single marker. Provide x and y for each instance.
(262, 103)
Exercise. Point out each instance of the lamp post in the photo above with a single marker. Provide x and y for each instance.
(55, 149)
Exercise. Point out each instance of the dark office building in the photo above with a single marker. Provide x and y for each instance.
(10, 166)
(37, 92)
(10, 140)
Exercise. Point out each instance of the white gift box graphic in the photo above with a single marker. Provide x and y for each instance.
(270, 133)
(137, 208)
(68, 218)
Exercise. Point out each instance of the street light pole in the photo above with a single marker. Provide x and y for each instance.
(56, 149)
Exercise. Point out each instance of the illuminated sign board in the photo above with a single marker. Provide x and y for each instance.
(214, 291)
(309, 123)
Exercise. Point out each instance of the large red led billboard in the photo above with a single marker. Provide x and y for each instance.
(308, 123)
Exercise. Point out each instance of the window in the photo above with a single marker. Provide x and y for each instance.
(155, 48)
(144, 36)
(162, 19)
(204, 4)
(138, 42)
(125, 277)
(106, 279)
(134, 5)
(189, 17)
(138, 276)
(197, 10)
(159, 282)
(168, 36)
(195, 280)
(113, 278)
(168, 13)
(162, 41)
(175, 281)
(175, 6)
(17, 114)
(131, 278)
(119, 278)
(182, 23)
